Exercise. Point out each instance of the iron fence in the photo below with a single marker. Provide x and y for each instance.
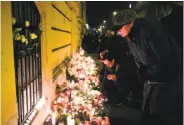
(27, 58)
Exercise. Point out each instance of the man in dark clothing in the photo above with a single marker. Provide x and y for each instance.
(158, 58)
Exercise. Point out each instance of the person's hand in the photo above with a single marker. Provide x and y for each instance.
(111, 77)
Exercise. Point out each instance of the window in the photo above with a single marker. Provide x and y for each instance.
(27, 57)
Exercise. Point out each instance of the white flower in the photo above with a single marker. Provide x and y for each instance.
(59, 99)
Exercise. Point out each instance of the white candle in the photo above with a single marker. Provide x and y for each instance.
(70, 121)
(85, 86)
(73, 82)
(54, 118)
(64, 110)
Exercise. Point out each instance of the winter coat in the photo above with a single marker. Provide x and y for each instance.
(157, 56)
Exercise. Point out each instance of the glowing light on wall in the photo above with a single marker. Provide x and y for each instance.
(130, 5)
(87, 26)
(114, 13)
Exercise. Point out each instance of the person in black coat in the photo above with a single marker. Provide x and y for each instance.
(119, 47)
(116, 85)
(157, 56)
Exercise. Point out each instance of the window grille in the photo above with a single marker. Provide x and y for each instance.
(27, 58)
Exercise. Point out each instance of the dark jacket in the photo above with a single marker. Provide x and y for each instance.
(127, 73)
(156, 53)
(158, 58)
(118, 91)
(108, 88)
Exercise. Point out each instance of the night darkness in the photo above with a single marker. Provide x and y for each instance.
(97, 11)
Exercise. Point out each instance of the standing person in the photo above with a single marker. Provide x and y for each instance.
(158, 58)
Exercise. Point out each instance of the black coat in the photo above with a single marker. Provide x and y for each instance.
(108, 88)
(158, 58)
(156, 53)
(118, 91)
(127, 73)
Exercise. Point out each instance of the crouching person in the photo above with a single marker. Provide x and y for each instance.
(116, 85)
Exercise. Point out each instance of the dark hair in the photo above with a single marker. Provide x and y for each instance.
(107, 55)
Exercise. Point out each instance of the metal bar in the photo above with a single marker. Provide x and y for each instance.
(19, 113)
(39, 83)
(40, 70)
(32, 15)
(30, 80)
(36, 67)
(28, 9)
(23, 11)
(21, 117)
(19, 93)
(24, 87)
(29, 68)
(33, 76)
(26, 84)
(20, 12)
(21, 70)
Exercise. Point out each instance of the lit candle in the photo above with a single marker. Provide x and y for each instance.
(102, 122)
(54, 118)
(73, 82)
(70, 120)
(90, 106)
(92, 112)
(85, 86)
(64, 110)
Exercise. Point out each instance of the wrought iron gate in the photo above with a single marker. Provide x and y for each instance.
(27, 57)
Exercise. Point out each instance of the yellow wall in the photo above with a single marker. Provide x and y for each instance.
(52, 40)
(8, 95)
(51, 17)
(74, 32)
